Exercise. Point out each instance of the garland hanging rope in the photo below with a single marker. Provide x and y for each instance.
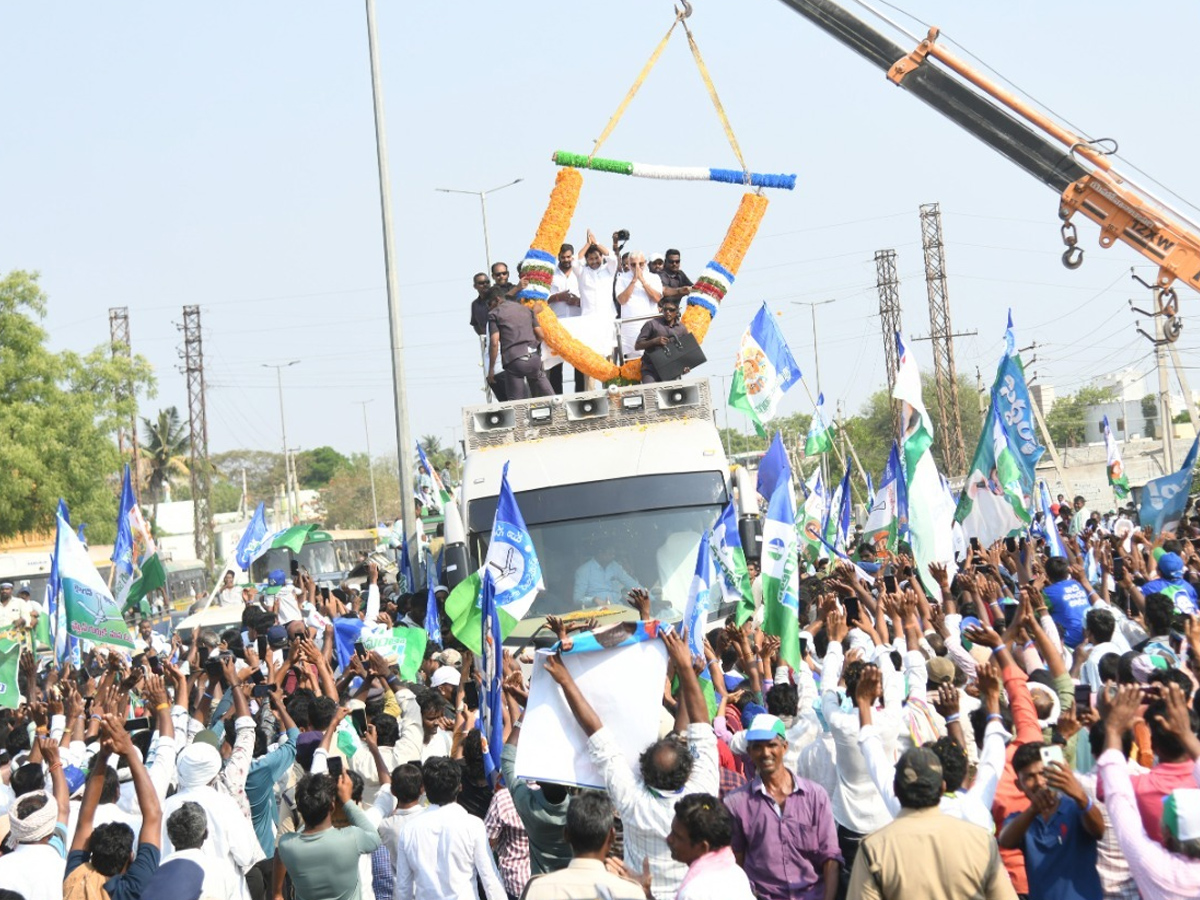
(538, 266)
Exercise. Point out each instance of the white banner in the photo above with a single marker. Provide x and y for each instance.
(624, 685)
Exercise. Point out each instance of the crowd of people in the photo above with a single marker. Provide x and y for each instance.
(609, 287)
(1023, 726)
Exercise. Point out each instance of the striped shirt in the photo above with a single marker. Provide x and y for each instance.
(506, 832)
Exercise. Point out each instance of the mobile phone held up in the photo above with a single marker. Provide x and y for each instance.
(361, 649)
(140, 723)
(358, 717)
(263, 690)
(335, 767)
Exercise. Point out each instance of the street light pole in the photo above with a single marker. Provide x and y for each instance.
(404, 442)
(370, 468)
(279, 367)
(812, 308)
(482, 195)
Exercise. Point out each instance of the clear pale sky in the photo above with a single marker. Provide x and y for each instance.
(156, 155)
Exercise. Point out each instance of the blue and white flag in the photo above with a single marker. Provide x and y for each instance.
(437, 496)
(773, 468)
(433, 622)
(870, 492)
(491, 700)
(700, 599)
(92, 613)
(884, 519)
(1054, 544)
(1165, 498)
(512, 560)
(765, 370)
(252, 538)
(842, 534)
(730, 557)
(405, 580)
(56, 611)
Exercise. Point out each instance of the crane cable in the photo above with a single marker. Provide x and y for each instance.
(681, 17)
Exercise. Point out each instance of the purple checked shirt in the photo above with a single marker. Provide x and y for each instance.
(784, 851)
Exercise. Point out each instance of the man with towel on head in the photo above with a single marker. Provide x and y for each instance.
(230, 833)
(38, 824)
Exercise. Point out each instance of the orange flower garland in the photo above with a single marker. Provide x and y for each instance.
(707, 294)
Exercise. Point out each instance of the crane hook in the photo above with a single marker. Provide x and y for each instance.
(687, 10)
(1072, 258)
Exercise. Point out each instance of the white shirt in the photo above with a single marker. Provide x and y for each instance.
(565, 281)
(857, 805)
(230, 596)
(595, 287)
(289, 605)
(231, 836)
(441, 744)
(157, 642)
(35, 871)
(393, 825)
(440, 857)
(647, 814)
(638, 304)
(729, 883)
(602, 584)
(14, 609)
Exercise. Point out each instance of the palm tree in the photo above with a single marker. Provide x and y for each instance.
(166, 444)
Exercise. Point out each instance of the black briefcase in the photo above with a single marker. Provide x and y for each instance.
(681, 352)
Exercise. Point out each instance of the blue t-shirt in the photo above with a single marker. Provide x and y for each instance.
(1060, 855)
(1177, 589)
(1069, 605)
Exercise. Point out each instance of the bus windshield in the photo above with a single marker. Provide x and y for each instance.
(597, 540)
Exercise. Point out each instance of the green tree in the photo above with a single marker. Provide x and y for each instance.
(264, 471)
(1150, 413)
(314, 468)
(165, 444)
(346, 499)
(1067, 419)
(58, 419)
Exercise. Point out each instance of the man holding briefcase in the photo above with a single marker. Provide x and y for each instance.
(666, 333)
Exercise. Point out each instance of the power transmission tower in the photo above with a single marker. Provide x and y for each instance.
(193, 356)
(941, 335)
(118, 335)
(889, 310)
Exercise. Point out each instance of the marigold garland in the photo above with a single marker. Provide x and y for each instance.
(705, 299)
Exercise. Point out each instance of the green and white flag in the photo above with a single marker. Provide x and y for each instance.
(930, 517)
(292, 538)
(993, 503)
(1116, 469)
(92, 613)
(725, 544)
(10, 660)
(137, 567)
(764, 371)
(781, 575)
(402, 647)
(810, 524)
(820, 435)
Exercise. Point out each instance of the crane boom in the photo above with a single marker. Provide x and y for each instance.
(1078, 169)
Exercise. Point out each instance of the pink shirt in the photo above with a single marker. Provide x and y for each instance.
(1150, 790)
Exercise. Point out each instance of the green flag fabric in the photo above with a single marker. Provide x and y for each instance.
(405, 647)
(462, 608)
(10, 659)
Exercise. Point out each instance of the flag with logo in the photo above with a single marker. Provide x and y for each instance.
(883, 522)
(439, 496)
(491, 700)
(56, 612)
(251, 537)
(10, 662)
(1165, 498)
(136, 565)
(701, 596)
(994, 503)
(764, 371)
(820, 434)
(1116, 469)
(930, 518)
(813, 519)
(1054, 544)
(780, 576)
(725, 544)
(516, 575)
(291, 538)
(92, 613)
(433, 622)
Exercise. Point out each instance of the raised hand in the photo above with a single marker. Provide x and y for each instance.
(639, 599)
(947, 700)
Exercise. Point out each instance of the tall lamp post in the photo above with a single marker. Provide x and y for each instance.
(482, 195)
(812, 308)
(279, 367)
(404, 441)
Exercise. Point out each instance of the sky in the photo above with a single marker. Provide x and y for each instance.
(222, 154)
